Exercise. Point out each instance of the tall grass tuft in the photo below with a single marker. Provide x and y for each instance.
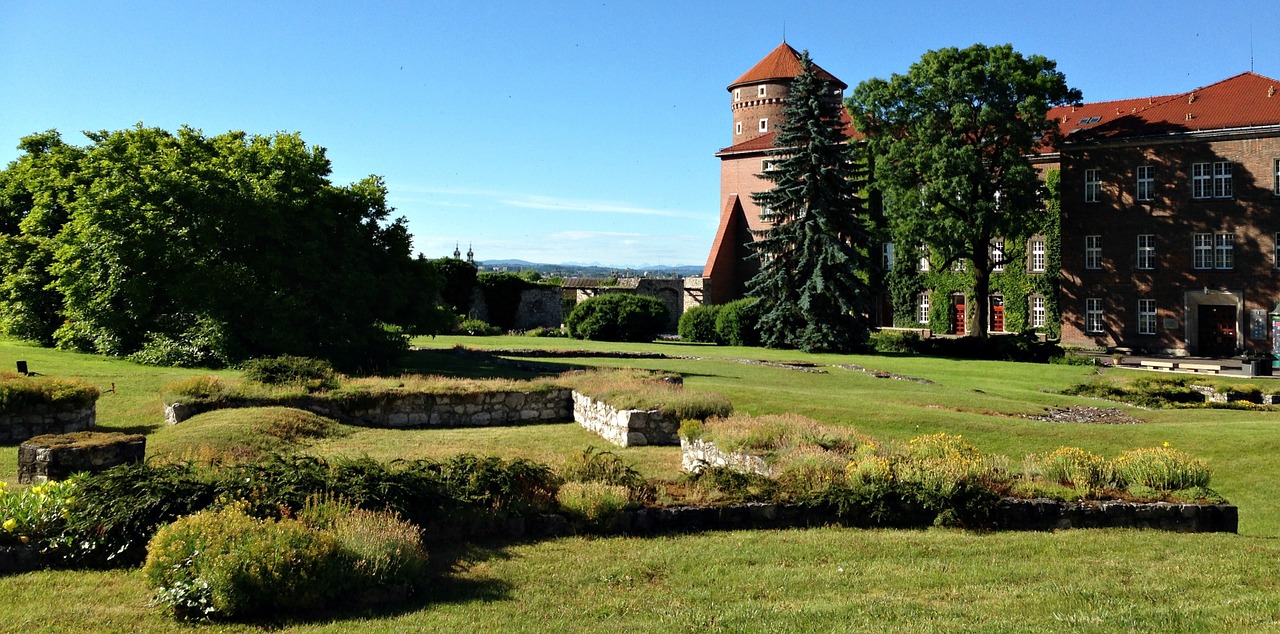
(1162, 468)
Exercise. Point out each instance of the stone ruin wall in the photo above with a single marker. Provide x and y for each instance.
(625, 428)
(45, 419)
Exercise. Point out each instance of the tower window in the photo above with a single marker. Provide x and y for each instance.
(737, 128)
(764, 125)
(762, 91)
(737, 94)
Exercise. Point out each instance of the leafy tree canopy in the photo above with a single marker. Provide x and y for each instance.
(951, 140)
(186, 248)
(813, 255)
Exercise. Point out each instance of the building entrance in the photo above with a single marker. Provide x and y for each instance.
(957, 315)
(1216, 330)
(997, 315)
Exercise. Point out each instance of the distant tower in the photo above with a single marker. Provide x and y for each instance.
(757, 100)
(457, 254)
(471, 255)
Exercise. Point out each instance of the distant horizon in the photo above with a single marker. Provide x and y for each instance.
(577, 131)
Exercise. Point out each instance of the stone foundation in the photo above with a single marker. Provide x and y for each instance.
(45, 419)
(415, 410)
(698, 454)
(625, 428)
(56, 457)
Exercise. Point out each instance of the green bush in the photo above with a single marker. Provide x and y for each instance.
(617, 317)
(698, 325)
(227, 564)
(196, 389)
(315, 374)
(19, 392)
(477, 328)
(736, 323)
(895, 341)
(381, 549)
(202, 342)
(608, 468)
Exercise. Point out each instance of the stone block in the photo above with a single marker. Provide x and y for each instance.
(55, 457)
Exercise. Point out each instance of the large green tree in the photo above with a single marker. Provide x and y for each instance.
(190, 249)
(951, 141)
(811, 289)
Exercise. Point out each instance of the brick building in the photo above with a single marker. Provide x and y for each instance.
(1167, 242)
(1170, 237)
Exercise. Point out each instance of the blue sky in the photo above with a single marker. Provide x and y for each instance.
(549, 131)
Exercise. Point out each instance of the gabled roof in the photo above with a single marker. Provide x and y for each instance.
(782, 63)
(1243, 101)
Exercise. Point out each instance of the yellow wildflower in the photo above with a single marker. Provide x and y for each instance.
(10, 524)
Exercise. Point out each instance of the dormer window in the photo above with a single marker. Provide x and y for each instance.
(764, 125)
(761, 91)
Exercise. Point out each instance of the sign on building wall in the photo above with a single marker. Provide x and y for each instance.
(1258, 324)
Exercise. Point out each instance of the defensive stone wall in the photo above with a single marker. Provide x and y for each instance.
(45, 419)
(628, 427)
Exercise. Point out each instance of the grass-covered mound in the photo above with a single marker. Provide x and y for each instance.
(1144, 390)
(937, 476)
(18, 392)
(244, 435)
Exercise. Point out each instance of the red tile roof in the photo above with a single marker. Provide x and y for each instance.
(782, 63)
(1246, 100)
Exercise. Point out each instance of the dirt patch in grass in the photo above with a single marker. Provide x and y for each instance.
(1085, 414)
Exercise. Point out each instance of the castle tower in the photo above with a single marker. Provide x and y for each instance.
(757, 100)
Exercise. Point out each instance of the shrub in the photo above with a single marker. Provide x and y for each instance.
(895, 341)
(593, 503)
(477, 328)
(544, 332)
(736, 323)
(200, 342)
(19, 392)
(196, 389)
(225, 563)
(381, 549)
(1072, 358)
(698, 324)
(1069, 466)
(314, 374)
(1161, 468)
(37, 514)
(617, 317)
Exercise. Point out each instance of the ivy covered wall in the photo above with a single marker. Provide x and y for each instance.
(1016, 284)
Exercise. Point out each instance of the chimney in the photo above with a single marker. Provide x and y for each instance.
(1271, 92)
(1191, 98)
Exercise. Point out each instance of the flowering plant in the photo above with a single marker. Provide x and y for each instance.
(36, 514)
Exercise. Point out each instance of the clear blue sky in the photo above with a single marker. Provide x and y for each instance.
(549, 131)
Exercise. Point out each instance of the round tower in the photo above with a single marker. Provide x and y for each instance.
(759, 95)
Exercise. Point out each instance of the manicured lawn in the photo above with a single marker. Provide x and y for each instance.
(833, 580)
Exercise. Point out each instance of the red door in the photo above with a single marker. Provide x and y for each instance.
(957, 315)
(997, 314)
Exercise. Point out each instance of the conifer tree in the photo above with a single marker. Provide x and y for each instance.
(811, 289)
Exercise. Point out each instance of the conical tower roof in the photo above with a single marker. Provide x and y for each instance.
(782, 63)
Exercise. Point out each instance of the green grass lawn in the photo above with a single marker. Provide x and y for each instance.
(833, 580)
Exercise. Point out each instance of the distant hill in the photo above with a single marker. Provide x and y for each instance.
(588, 270)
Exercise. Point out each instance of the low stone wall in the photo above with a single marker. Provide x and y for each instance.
(56, 457)
(415, 410)
(16, 559)
(1039, 515)
(625, 428)
(698, 454)
(45, 419)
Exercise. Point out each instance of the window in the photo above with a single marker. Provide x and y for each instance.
(762, 91)
(922, 308)
(959, 266)
(737, 128)
(768, 165)
(1147, 251)
(887, 256)
(1092, 186)
(1093, 252)
(1202, 251)
(1037, 311)
(1276, 191)
(1212, 180)
(997, 255)
(1275, 251)
(1093, 315)
(737, 94)
(1146, 316)
(1146, 182)
(924, 259)
(1037, 255)
(1222, 187)
(1224, 248)
(764, 125)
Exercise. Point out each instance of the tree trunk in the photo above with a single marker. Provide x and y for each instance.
(981, 290)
